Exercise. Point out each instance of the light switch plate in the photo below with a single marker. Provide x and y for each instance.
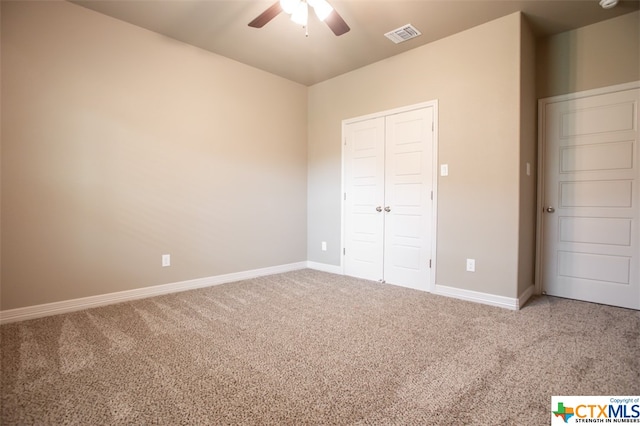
(444, 170)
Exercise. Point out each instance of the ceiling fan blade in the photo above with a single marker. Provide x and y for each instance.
(336, 23)
(266, 16)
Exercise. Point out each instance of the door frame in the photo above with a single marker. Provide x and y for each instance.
(542, 103)
(434, 171)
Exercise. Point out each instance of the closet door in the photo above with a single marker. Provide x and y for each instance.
(388, 206)
(364, 199)
(408, 185)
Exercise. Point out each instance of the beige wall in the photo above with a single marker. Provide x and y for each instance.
(528, 151)
(119, 145)
(475, 75)
(0, 159)
(598, 55)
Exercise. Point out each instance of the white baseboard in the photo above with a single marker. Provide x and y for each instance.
(324, 267)
(476, 296)
(47, 309)
(38, 311)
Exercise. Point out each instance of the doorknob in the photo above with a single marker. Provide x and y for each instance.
(550, 209)
(378, 209)
(387, 209)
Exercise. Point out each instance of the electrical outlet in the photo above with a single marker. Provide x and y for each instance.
(324, 246)
(166, 260)
(471, 265)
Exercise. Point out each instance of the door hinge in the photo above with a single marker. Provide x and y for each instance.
(344, 251)
(431, 195)
(345, 141)
(345, 196)
(429, 263)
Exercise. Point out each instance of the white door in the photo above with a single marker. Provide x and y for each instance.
(364, 198)
(408, 185)
(388, 183)
(591, 195)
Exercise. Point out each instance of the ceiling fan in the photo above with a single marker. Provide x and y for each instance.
(299, 11)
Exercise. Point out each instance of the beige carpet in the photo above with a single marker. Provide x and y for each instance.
(308, 347)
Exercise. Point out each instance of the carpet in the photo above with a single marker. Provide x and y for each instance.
(310, 348)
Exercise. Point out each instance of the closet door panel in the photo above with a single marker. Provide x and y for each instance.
(408, 183)
(364, 199)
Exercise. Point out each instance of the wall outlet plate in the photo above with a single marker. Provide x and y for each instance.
(166, 260)
(471, 265)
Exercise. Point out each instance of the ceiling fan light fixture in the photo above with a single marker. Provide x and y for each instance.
(321, 8)
(299, 11)
(289, 6)
(608, 4)
(301, 14)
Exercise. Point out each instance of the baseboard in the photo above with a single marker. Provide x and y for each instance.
(526, 296)
(476, 296)
(47, 309)
(324, 267)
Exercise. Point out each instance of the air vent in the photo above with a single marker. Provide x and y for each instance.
(404, 33)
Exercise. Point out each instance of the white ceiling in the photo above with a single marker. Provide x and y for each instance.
(280, 47)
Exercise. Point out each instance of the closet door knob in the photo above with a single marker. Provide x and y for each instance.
(387, 209)
(378, 209)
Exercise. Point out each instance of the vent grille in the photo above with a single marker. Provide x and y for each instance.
(404, 33)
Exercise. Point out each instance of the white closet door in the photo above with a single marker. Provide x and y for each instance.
(364, 193)
(408, 185)
(388, 206)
